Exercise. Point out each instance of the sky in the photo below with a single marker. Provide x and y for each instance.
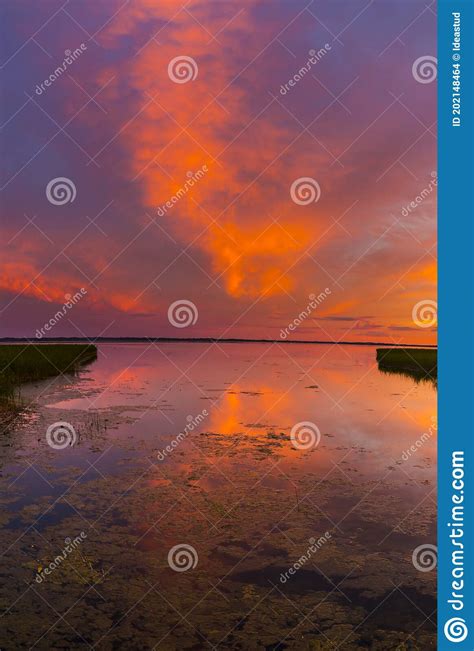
(212, 189)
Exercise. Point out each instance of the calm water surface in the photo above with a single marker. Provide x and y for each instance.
(281, 544)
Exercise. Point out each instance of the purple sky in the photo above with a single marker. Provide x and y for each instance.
(235, 244)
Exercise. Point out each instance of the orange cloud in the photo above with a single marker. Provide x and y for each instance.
(181, 127)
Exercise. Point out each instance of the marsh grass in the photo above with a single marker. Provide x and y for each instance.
(418, 363)
(33, 362)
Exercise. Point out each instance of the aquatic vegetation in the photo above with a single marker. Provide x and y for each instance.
(418, 363)
(33, 362)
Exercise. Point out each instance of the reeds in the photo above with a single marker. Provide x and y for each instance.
(419, 363)
(21, 363)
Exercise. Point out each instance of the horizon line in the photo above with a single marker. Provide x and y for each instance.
(225, 340)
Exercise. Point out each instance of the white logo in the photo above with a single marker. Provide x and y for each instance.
(182, 69)
(425, 313)
(425, 69)
(60, 435)
(60, 191)
(182, 313)
(305, 190)
(455, 629)
(305, 435)
(182, 558)
(425, 557)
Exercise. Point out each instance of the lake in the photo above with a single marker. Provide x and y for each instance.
(228, 496)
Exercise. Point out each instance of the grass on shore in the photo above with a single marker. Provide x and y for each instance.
(34, 362)
(418, 363)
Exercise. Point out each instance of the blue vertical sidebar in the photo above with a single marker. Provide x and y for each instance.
(456, 325)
